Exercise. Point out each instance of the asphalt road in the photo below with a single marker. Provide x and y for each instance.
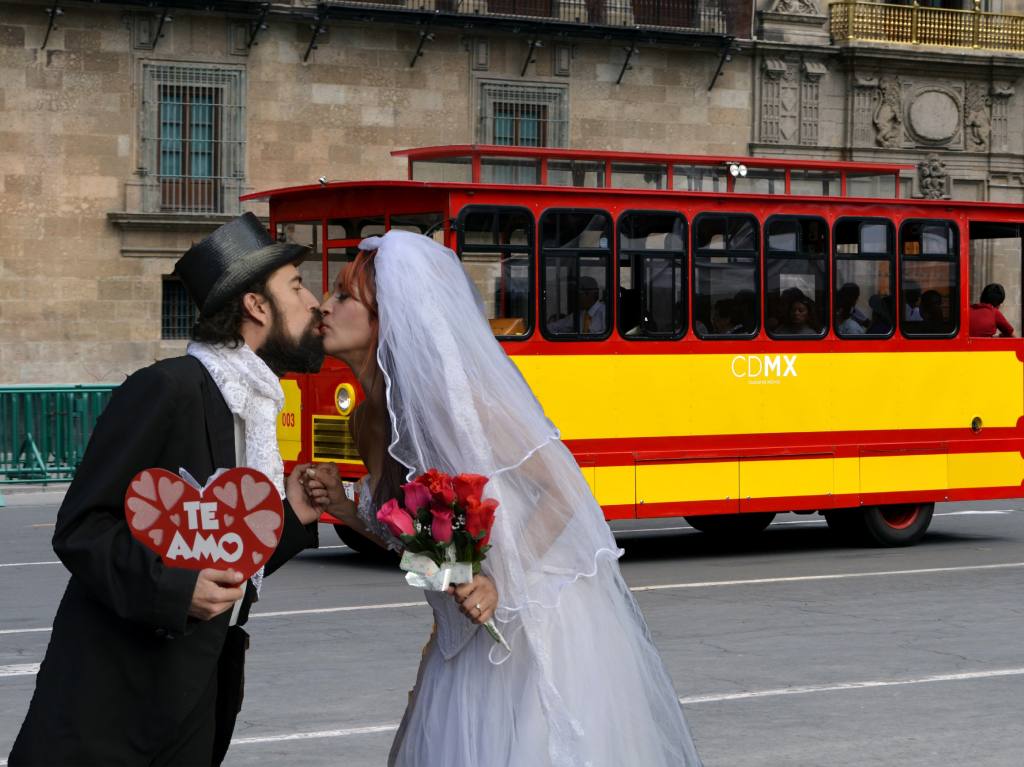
(796, 650)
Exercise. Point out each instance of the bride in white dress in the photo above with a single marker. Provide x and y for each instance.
(583, 685)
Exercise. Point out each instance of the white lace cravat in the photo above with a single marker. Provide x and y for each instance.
(253, 395)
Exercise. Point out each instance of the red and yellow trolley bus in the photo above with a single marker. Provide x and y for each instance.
(717, 338)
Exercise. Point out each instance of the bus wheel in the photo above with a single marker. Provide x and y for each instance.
(898, 525)
(738, 525)
(360, 544)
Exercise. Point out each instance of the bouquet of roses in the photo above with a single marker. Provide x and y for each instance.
(445, 527)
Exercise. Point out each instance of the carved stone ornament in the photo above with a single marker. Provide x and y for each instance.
(887, 118)
(934, 116)
(977, 120)
(797, 7)
(933, 178)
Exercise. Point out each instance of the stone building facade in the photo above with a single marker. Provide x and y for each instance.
(95, 99)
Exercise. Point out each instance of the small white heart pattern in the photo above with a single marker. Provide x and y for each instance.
(235, 523)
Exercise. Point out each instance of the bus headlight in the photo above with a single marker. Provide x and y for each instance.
(345, 398)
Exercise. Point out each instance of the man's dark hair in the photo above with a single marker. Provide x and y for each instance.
(225, 325)
(993, 294)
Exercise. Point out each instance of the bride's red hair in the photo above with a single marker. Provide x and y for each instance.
(359, 280)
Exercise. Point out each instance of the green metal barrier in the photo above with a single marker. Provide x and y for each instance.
(44, 430)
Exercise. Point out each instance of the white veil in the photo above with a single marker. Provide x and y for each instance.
(458, 404)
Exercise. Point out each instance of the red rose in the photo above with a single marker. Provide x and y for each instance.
(480, 518)
(467, 485)
(416, 497)
(440, 486)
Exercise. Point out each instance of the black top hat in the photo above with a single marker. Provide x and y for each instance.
(221, 266)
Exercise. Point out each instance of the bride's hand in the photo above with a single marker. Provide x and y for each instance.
(478, 599)
(324, 489)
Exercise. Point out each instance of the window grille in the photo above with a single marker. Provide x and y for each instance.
(523, 115)
(177, 311)
(193, 138)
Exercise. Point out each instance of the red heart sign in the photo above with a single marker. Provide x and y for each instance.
(235, 523)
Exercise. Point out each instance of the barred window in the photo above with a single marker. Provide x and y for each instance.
(193, 138)
(523, 115)
(177, 311)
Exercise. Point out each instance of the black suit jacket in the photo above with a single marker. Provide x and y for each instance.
(125, 663)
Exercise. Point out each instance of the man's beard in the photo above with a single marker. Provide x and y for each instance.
(284, 354)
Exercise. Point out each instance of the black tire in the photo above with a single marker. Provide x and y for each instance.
(732, 525)
(361, 544)
(884, 526)
(898, 525)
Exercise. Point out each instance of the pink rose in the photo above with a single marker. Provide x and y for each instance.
(416, 497)
(396, 518)
(441, 527)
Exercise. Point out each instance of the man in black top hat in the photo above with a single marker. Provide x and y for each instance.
(144, 665)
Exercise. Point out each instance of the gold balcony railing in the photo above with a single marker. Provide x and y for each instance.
(918, 25)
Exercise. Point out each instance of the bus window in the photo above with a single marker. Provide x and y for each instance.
(761, 181)
(816, 183)
(576, 268)
(509, 170)
(870, 184)
(796, 281)
(639, 176)
(496, 247)
(652, 274)
(996, 258)
(584, 173)
(700, 178)
(865, 255)
(355, 227)
(930, 290)
(725, 295)
(306, 233)
(430, 224)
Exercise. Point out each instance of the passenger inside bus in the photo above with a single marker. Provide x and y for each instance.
(850, 321)
(799, 315)
(589, 308)
(882, 310)
(986, 319)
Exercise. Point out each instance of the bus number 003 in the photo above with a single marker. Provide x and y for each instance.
(288, 419)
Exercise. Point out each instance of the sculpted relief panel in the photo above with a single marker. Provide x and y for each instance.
(895, 112)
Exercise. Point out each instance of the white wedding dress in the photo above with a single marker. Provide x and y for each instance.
(583, 685)
(469, 712)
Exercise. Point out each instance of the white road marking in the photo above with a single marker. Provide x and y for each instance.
(22, 669)
(696, 699)
(826, 577)
(368, 730)
(322, 610)
(638, 589)
(24, 631)
(966, 512)
(686, 701)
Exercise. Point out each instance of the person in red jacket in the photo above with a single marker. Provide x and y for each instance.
(986, 318)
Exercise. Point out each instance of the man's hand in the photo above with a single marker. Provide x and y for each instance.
(478, 599)
(215, 592)
(295, 492)
(324, 489)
